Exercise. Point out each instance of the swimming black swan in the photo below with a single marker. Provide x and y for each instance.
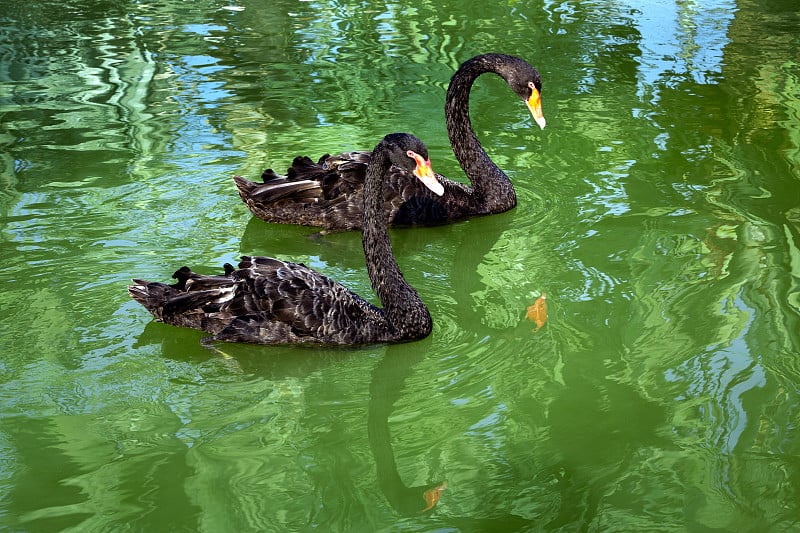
(328, 194)
(268, 301)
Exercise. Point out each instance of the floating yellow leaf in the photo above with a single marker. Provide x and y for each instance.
(432, 496)
(537, 312)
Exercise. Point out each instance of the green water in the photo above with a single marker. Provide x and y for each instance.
(659, 211)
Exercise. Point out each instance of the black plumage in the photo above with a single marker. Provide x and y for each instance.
(269, 301)
(328, 193)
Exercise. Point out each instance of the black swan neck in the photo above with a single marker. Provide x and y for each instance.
(490, 184)
(404, 310)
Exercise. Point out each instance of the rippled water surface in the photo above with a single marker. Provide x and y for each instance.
(659, 212)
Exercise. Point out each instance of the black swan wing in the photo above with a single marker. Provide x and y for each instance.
(330, 194)
(327, 193)
(264, 301)
(283, 302)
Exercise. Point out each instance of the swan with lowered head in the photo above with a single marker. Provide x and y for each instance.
(269, 301)
(328, 193)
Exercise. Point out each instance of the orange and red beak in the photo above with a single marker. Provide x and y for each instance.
(425, 173)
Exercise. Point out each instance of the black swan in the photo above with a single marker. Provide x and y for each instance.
(268, 301)
(328, 194)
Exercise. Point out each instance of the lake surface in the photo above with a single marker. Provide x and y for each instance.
(659, 212)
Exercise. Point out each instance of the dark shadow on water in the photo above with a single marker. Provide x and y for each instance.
(264, 361)
(388, 379)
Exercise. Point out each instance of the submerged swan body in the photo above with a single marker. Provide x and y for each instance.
(268, 301)
(328, 193)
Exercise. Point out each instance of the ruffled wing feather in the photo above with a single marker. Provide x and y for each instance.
(265, 301)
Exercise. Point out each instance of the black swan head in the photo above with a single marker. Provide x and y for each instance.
(401, 147)
(524, 80)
